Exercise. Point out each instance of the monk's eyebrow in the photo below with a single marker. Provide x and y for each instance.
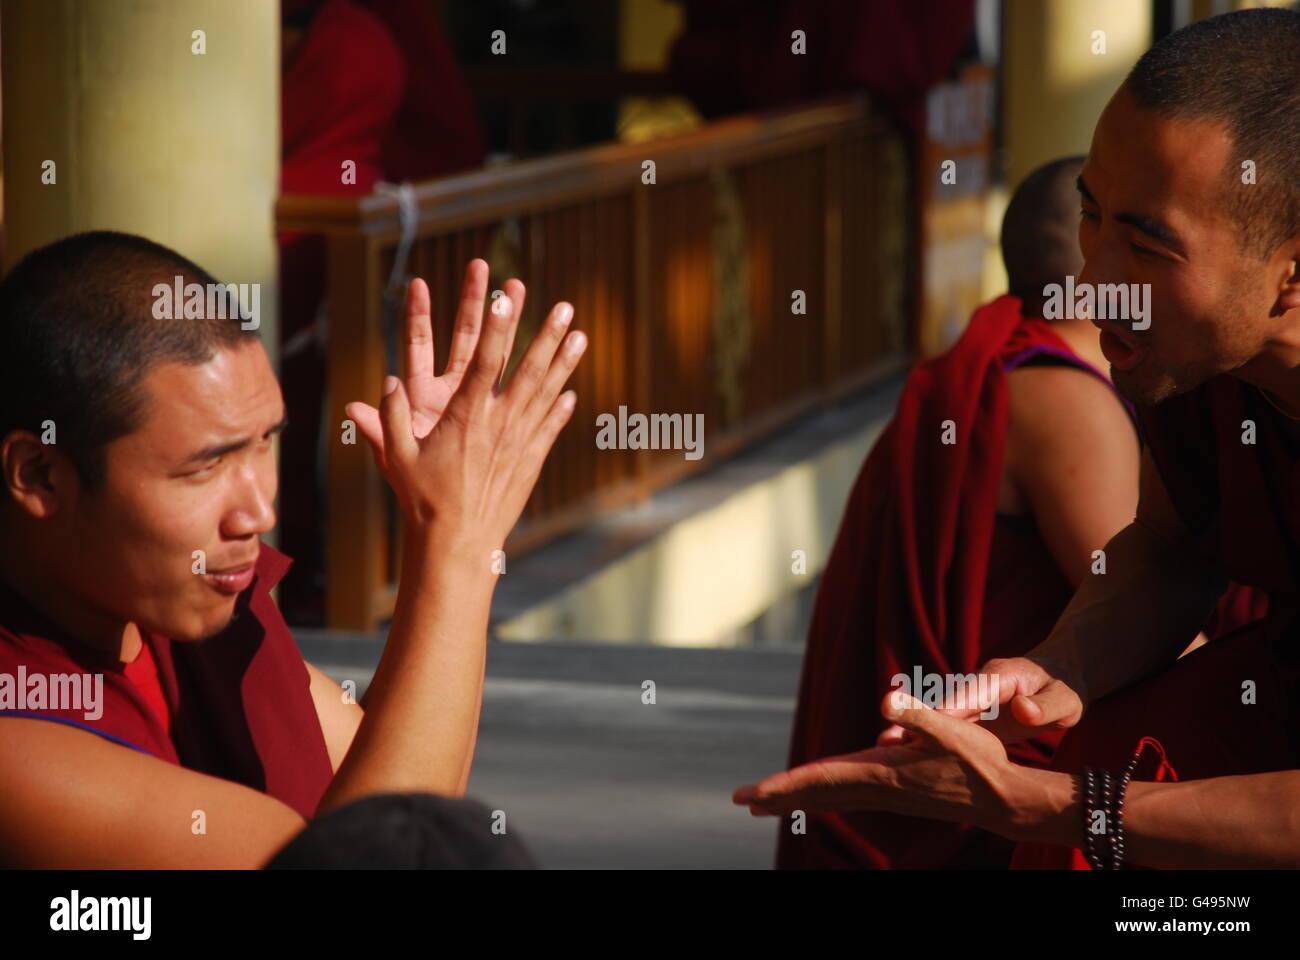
(1152, 227)
(221, 449)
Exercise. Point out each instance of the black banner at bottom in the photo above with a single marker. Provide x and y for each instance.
(370, 908)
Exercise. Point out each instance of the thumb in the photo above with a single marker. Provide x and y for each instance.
(892, 736)
(367, 421)
(395, 414)
(912, 715)
(1055, 703)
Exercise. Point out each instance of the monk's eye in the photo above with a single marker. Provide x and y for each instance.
(278, 429)
(203, 472)
(1088, 215)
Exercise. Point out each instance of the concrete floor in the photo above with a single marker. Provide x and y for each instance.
(591, 777)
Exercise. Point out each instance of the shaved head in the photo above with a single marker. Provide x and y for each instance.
(1241, 70)
(1040, 230)
(1191, 190)
(80, 336)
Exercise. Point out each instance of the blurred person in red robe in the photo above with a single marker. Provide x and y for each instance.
(370, 92)
(738, 55)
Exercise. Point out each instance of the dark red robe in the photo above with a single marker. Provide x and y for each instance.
(735, 55)
(374, 82)
(925, 572)
(1197, 708)
(436, 130)
(240, 702)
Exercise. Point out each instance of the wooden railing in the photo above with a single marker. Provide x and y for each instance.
(687, 286)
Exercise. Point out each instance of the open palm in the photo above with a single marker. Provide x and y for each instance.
(428, 392)
(950, 770)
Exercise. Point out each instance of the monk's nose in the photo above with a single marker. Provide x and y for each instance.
(254, 512)
(1102, 264)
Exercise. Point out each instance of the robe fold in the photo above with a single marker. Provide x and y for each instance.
(1233, 706)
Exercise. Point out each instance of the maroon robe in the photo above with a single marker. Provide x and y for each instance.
(436, 130)
(1195, 708)
(374, 82)
(735, 55)
(340, 90)
(925, 572)
(240, 702)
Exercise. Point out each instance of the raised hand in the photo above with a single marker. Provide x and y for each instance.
(429, 393)
(462, 456)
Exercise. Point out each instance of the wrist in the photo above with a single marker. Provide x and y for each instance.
(444, 588)
(442, 554)
(1046, 809)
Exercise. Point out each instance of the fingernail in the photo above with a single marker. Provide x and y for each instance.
(563, 314)
(501, 306)
(390, 384)
(577, 340)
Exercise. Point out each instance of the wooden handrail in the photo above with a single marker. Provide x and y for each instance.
(596, 171)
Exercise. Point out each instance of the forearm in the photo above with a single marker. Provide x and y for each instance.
(462, 783)
(1243, 821)
(1139, 615)
(422, 706)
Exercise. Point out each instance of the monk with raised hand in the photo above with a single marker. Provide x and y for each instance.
(1191, 194)
(133, 559)
(462, 458)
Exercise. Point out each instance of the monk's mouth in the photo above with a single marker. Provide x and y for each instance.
(1121, 354)
(233, 581)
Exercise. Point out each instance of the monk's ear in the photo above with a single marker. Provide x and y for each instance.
(1288, 297)
(34, 475)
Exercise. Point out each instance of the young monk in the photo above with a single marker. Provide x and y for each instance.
(1192, 185)
(950, 553)
(137, 480)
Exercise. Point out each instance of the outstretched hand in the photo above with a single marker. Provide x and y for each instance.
(950, 770)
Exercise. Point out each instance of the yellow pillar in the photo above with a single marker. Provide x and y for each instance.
(160, 118)
(1062, 61)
